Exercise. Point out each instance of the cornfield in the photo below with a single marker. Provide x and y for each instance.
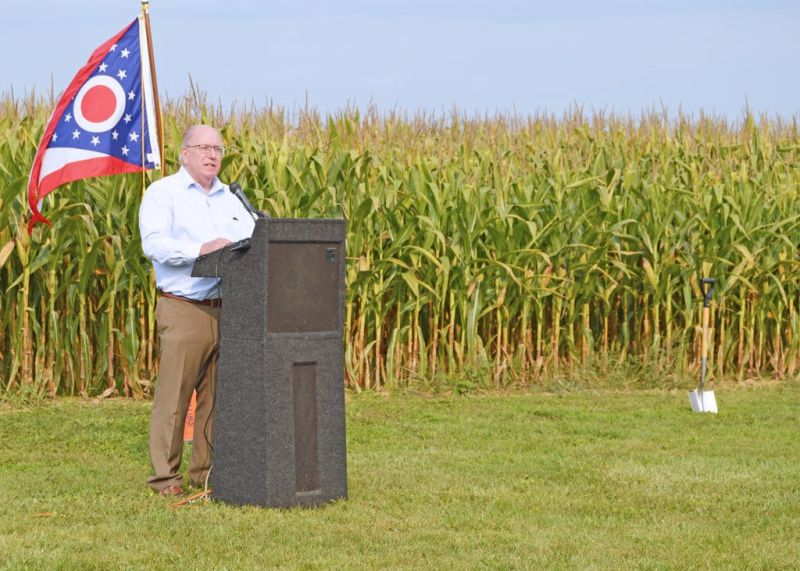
(503, 248)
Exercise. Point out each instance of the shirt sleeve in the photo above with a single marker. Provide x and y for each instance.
(155, 226)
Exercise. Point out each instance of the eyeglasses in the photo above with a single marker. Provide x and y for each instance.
(208, 149)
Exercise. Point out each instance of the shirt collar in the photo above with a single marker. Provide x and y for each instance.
(188, 182)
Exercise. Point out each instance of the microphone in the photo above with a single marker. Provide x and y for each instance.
(239, 193)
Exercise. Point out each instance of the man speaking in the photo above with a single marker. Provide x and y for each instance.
(183, 216)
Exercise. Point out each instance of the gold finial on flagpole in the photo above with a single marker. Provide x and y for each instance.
(145, 6)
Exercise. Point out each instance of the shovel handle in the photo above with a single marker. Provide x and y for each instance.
(707, 287)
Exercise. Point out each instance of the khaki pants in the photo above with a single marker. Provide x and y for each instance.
(188, 334)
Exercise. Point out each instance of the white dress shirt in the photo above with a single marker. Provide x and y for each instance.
(176, 218)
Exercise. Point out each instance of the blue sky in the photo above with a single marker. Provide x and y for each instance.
(621, 56)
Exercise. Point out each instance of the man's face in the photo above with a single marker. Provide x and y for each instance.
(200, 157)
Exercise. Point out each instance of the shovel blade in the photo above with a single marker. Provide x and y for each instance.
(703, 401)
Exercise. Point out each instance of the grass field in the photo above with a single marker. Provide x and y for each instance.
(583, 479)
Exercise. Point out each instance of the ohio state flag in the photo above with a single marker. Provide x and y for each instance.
(104, 122)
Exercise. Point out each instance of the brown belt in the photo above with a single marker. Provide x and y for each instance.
(207, 302)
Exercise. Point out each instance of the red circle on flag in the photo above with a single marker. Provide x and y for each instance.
(98, 103)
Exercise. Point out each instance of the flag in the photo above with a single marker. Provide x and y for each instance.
(105, 121)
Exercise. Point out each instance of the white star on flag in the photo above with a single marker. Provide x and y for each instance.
(113, 48)
(55, 137)
(125, 150)
(131, 95)
(134, 136)
(125, 52)
(122, 74)
(67, 117)
(114, 134)
(76, 134)
(128, 118)
(103, 67)
(95, 141)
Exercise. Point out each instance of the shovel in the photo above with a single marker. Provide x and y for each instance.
(704, 401)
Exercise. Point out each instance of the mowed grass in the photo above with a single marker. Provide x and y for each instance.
(585, 479)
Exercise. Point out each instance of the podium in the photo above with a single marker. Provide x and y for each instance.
(279, 436)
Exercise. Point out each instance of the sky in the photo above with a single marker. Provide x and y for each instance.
(480, 57)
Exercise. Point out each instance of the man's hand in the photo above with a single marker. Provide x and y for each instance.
(213, 245)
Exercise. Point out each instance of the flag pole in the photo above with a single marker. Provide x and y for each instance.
(159, 122)
(144, 115)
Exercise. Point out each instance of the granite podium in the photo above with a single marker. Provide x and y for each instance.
(279, 437)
